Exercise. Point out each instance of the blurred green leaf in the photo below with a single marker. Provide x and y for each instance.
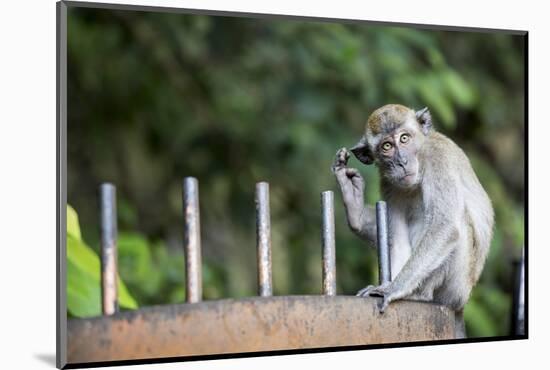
(84, 275)
(73, 228)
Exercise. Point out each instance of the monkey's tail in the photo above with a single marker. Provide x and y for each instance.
(460, 327)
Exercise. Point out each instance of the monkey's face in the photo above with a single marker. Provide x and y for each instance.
(396, 156)
(392, 141)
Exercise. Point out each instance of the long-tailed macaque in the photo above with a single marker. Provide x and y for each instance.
(440, 217)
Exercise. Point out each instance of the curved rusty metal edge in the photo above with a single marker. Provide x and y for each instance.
(253, 325)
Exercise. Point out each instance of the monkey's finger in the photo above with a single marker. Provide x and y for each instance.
(343, 153)
(337, 165)
(352, 172)
(341, 177)
(384, 304)
(346, 153)
(342, 156)
(356, 181)
(375, 293)
(365, 291)
(355, 177)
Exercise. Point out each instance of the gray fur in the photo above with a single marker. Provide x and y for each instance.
(441, 219)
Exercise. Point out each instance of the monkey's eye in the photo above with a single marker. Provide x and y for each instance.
(386, 146)
(404, 138)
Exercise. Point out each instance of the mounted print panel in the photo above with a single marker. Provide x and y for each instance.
(247, 184)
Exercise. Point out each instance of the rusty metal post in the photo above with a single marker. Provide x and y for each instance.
(192, 240)
(108, 225)
(384, 269)
(263, 239)
(328, 241)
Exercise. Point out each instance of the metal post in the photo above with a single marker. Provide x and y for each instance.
(108, 225)
(518, 320)
(192, 240)
(328, 241)
(384, 269)
(263, 239)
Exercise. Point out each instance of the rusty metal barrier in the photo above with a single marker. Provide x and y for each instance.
(252, 324)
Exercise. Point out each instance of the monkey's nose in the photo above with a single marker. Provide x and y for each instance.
(403, 164)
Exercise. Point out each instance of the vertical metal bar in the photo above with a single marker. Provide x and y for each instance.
(192, 240)
(519, 304)
(263, 239)
(384, 269)
(108, 224)
(329, 244)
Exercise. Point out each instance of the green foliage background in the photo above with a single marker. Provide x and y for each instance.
(232, 101)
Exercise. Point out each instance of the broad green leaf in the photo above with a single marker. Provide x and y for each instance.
(84, 276)
(83, 291)
(124, 298)
(73, 227)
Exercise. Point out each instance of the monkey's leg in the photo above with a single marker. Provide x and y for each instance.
(421, 268)
(426, 292)
(400, 250)
(420, 297)
(400, 245)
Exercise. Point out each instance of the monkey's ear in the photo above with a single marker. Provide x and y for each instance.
(424, 118)
(362, 152)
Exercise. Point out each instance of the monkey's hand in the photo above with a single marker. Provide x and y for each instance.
(349, 179)
(384, 291)
(352, 186)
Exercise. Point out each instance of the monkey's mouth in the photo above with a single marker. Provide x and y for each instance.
(408, 177)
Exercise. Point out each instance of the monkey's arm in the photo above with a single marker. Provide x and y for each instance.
(361, 219)
(439, 239)
(433, 250)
